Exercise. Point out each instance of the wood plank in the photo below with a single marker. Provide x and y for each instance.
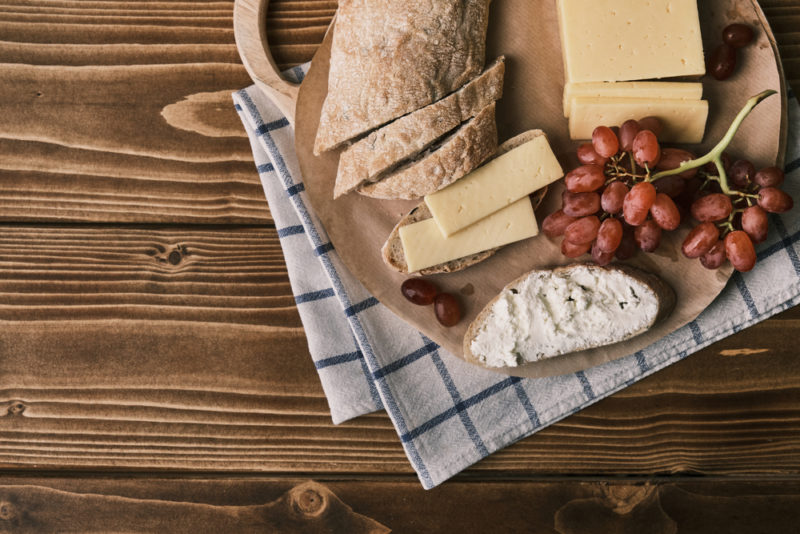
(564, 506)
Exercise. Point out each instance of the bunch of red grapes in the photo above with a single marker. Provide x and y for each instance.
(619, 200)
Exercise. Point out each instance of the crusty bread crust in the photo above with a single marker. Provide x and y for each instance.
(392, 250)
(382, 150)
(664, 294)
(389, 58)
(456, 156)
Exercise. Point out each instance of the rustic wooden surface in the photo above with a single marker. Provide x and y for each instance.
(151, 355)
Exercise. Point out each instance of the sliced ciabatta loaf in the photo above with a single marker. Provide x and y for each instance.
(393, 254)
(547, 313)
(386, 148)
(444, 163)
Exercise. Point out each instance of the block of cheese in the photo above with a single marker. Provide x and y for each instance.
(501, 182)
(653, 90)
(612, 40)
(425, 246)
(684, 120)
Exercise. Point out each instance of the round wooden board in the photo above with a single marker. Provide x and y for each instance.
(527, 34)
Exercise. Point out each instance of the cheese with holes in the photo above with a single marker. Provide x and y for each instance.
(612, 40)
(501, 182)
(425, 246)
(652, 90)
(684, 120)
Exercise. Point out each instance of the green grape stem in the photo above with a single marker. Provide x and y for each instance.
(715, 155)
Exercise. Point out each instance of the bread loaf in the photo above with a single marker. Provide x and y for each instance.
(547, 313)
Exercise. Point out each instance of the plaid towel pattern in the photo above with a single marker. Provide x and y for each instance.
(449, 414)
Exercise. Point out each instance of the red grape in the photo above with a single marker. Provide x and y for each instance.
(627, 132)
(741, 173)
(554, 224)
(419, 291)
(722, 62)
(665, 213)
(755, 223)
(585, 179)
(582, 231)
(648, 236)
(700, 240)
(605, 141)
(627, 247)
(637, 203)
(580, 204)
(672, 186)
(609, 236)
(740, 251)
(769, 177)
(737, 35)
(714, 258)
(653, 124)
(671, 158)
(588, 156)
(713, 207)
(571, 250)
(646, 150)
(601, 258)
(613, 197)
(447, 310)
(774, 200)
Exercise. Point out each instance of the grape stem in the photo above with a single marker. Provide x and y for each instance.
(715, 155)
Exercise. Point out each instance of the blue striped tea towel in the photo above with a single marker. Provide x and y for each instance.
(449, 414)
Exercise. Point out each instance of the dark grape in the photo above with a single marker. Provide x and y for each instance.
(672, 186)
(648, 236)
(447, 309)
(609, 236)
(652, 124)
(580, 204)
(613, 197)
(714, 258)
(554, 224)
(582, 231)
(700, 240)
(665, 213)
(572, 250)
(600, 257)
(605, 141)
(627, 133)
(588, 156)
(671, 158)
(741, 173)
(637, 203)
(711, 167)
(769, 177)
(419, 291)
(737, 35)
(713, 207)
(646, 150)
(722, 62)
(740, 251)
(774, 200)
(585, 179)
(755, 223)
(627, 247)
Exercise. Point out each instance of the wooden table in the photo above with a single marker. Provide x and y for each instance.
(154, 373)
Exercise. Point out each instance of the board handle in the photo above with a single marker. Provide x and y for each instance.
(250, 32)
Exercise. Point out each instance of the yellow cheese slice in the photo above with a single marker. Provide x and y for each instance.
(684, 120)
(501, 182)
(610, 40)
(425, 246)
(653, 90)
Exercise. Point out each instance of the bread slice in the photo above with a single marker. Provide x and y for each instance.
(547, 313)
(385, 148)
(389, 58)
(444, 163)
(393, 254)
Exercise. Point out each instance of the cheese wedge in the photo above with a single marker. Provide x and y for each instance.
(425, 246)
(652, 90)
(499, 183)
(684, 120)
(609, 40)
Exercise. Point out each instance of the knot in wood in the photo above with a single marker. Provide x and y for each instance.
(309, 502)
(8, 512)
(16, 408)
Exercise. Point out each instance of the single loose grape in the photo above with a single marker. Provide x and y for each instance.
(722, 62)
(737, 35)
(419, 291)
(447, 309)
